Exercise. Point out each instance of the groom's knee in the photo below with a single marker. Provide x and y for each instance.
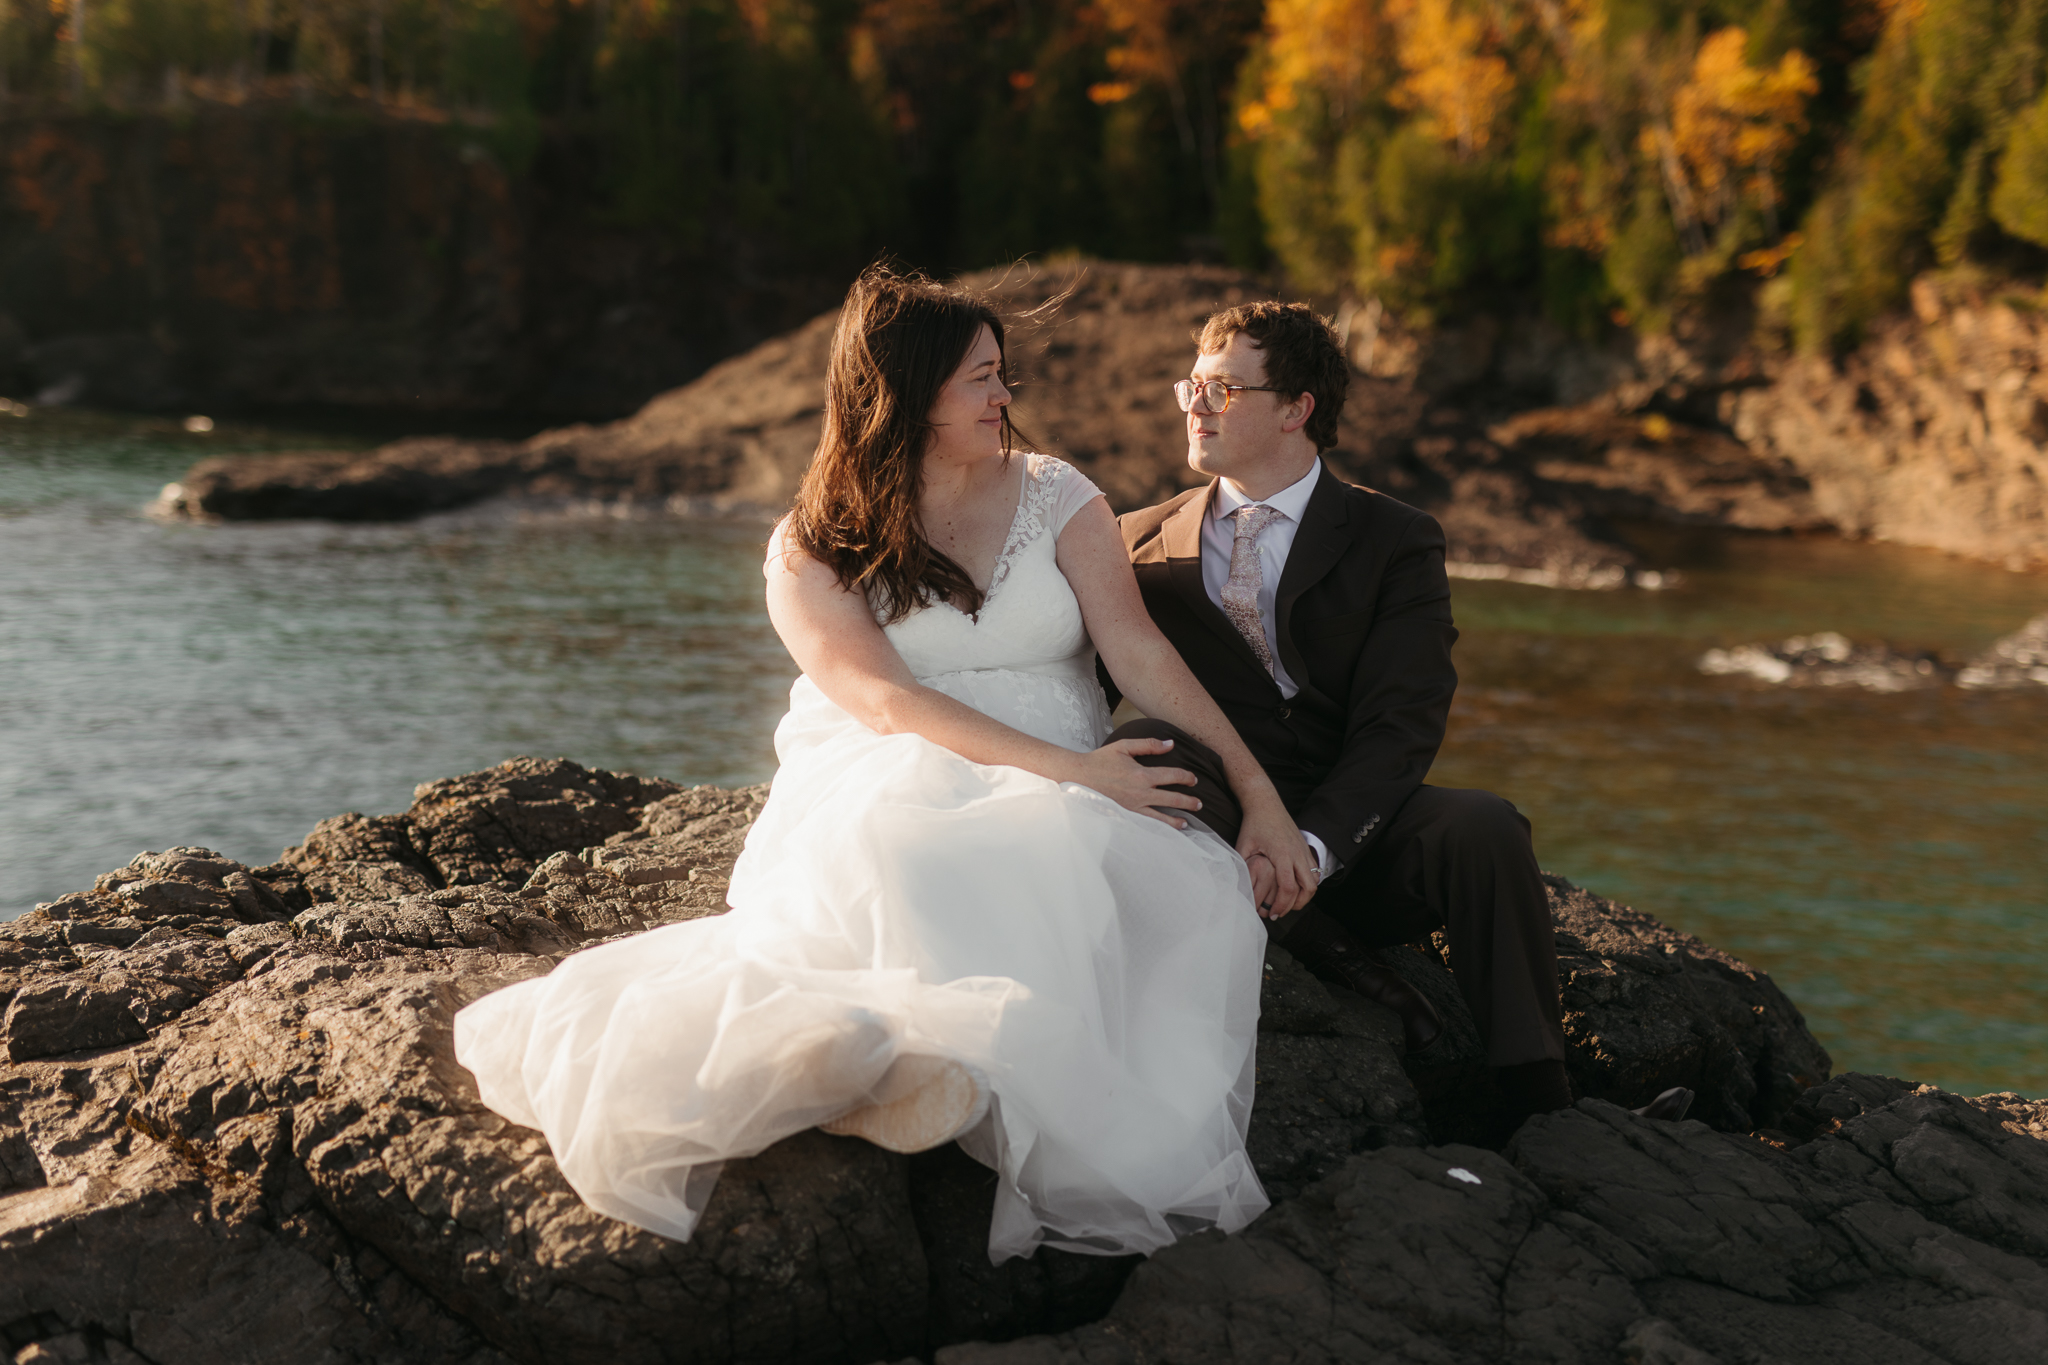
(1146, 727)
(1212, 783)
(1187, 751)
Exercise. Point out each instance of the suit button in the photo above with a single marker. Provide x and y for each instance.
(1284, 712)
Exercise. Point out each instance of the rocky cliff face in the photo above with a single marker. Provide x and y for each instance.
(232, 1128)
(1930, 433)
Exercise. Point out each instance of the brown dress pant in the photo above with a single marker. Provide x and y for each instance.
(1451, 859)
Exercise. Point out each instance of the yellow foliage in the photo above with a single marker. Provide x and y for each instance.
(1331, 46)
(1460, 87)
(1448, 68)
(1767, 261)
(1732, 125)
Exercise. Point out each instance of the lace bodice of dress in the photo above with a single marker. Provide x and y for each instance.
(1026, 659)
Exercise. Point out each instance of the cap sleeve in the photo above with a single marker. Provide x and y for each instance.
(1072, 490)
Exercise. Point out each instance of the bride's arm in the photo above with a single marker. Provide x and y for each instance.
(1158, 682)
(832, 635)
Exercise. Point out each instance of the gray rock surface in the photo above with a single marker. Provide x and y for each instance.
(232, 1128)
(1645, 1008)
(1910, 1226)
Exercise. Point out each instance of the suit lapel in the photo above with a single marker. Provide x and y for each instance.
(1181, 537)
(1318, 545)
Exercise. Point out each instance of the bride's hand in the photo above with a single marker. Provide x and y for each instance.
(1113, 771)
(1284, 871)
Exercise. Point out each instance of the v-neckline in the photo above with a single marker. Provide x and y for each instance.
(995, 567)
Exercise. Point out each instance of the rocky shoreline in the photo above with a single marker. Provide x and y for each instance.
(231, 1128)
(1529, 446)
(1532, 495)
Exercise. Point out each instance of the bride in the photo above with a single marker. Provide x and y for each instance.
(961, 914)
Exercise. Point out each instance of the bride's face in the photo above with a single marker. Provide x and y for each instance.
(968, 418)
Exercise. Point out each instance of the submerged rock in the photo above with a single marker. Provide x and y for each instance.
(2018, 660)
(1829, 659)
(234, 1129)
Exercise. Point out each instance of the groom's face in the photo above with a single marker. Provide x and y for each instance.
(1247, 436)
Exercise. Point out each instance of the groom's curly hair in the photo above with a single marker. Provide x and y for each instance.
(900, 338)
(1303, 355)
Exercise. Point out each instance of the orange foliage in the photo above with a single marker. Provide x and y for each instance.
(1445, 63)
(1336, 47)
(52, 177)
(1732, 125)
(1769, 260)
(1583, 221)
(1148, 49)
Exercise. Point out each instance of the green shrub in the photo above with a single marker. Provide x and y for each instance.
(2020, 201)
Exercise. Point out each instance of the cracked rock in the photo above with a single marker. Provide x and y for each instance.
(233, 1129)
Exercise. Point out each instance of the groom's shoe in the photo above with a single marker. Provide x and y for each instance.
(1320, 944)
(1669, 1106)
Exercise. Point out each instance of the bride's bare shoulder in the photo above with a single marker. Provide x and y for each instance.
(786, 554)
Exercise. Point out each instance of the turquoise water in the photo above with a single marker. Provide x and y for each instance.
(1883, 856)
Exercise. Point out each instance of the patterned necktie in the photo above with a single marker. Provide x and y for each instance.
(1247, 577)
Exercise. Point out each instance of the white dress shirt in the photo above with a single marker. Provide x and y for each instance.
(1219, 536)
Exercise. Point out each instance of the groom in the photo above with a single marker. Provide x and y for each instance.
(1318, 616)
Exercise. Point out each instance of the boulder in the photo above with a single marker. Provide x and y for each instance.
(1928, 433)
(1646, 1007)
(52, 1017)
(2018, 660)
(235, 1129)
(1914, 1228)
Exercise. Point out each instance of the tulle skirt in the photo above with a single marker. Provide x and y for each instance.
(1099, 968)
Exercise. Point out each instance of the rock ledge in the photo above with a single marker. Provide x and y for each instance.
(232, 1128)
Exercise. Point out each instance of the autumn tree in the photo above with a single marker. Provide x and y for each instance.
(1731, 130)
(1452, 72)
(1917, 183)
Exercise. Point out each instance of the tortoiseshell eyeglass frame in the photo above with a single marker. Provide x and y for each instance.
(1185, 390)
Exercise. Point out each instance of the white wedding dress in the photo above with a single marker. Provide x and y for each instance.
(1099, 968)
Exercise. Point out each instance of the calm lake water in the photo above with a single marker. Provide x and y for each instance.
(1883, 856)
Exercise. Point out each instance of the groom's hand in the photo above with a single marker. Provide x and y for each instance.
(1114, 771)
(1284, 873)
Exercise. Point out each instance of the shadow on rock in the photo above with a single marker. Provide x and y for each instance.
(233, 1128)
(1914, 1230)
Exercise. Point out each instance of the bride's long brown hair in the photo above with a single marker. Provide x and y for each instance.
(900, 339)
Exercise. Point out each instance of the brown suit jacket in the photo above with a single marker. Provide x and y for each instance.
(1364, 620)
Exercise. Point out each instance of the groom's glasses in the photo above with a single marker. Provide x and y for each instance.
(1215, 394)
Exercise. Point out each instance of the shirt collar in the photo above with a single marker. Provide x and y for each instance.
(1291, 501)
